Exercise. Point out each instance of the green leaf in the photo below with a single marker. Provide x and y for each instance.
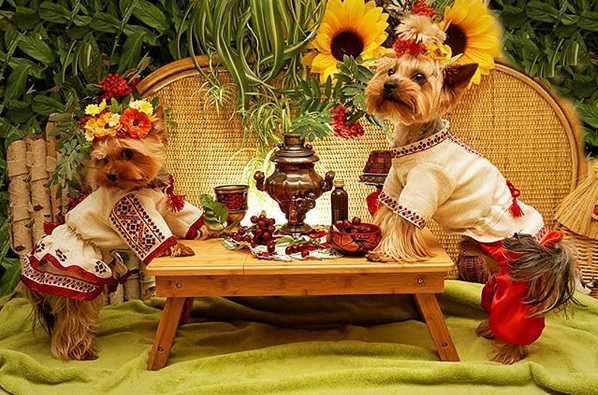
(36, 48)
(151, 15)
(11, 276)
(589, 113)
(16, 83)
(542, 12)
(46, 105)
(131, 52)
(589, 21)
(52, 12)
(104, 22)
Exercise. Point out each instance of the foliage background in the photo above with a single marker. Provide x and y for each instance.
(53, 53)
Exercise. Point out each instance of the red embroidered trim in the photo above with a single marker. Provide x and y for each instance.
(420, 145)
(456, 140)
(160, 249)
(61, 285)
(136, 226)
(401, 211)
(192, 232)
(76, 270)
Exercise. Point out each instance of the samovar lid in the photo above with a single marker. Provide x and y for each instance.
(294, 150)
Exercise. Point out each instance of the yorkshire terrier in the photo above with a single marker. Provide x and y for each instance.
(132, 208)
(435, 175)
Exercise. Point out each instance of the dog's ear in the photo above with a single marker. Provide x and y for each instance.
(159, 126)
(457, 77)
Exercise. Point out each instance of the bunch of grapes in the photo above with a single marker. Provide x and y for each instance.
(351, 226)
(260, 233)
(114, 86)
(303, 248)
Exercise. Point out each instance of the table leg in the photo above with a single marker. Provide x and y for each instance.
(430, 310)
(169, 322)
(186, 311)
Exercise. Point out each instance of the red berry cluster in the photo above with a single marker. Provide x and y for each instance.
(114, 86)
(260, 233)
(421, 8)
(72, 201)
(83, 122)
(352, 226)
(234, 201)
(304, 248)
(402, 47)
(342, 128)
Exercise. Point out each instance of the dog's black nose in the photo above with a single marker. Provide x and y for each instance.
(389, 86)
(111, 176)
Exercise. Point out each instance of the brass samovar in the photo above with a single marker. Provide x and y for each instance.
(294, 184)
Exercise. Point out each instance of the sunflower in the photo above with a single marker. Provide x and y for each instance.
(136, 123)
(349, 27)
(472, 33)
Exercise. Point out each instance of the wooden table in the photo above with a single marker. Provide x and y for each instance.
(214, 271)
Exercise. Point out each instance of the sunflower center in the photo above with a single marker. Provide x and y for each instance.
(456, 39)
(346, 43)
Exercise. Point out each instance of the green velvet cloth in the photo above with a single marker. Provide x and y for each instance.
(301, 345)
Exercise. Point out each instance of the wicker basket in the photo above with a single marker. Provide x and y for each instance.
(472, 268)
(587, 253)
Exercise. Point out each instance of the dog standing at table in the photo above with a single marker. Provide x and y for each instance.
(133, 208)
(436, 175)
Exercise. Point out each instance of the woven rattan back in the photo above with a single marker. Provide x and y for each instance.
(510, 118)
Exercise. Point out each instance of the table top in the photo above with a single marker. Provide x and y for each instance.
(212, 258)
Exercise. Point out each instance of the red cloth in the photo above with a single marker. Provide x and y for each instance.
(509, 318)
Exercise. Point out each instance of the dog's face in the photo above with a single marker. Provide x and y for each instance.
(415, 89)
(128, 163)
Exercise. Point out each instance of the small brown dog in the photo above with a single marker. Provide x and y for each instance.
(436, 175)
(132, 208)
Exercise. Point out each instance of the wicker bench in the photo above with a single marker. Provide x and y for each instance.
(518, 123)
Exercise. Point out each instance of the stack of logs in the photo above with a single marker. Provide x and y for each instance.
(32, 202)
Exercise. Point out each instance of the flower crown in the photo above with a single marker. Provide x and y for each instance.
(467, 33)
(133, 120)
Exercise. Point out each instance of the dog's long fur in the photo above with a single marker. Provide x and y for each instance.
(415, 92)
(119, 163)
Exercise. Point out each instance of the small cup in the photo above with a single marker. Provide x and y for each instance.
(234, 198)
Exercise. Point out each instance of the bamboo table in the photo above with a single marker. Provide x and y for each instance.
(214, 271)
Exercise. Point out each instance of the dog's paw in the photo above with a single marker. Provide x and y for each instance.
(180, 249)
(378, 257)
(484, 331)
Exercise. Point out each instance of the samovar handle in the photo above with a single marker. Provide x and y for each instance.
(259, 177)
(328, 178)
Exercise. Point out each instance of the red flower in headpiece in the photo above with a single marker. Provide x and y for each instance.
(136, 123)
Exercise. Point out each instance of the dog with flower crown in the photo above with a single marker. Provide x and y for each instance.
(133, 207)
(435, 175)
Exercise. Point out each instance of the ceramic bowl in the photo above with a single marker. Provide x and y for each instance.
(355, 243)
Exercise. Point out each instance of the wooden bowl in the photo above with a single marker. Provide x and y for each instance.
(355, 243)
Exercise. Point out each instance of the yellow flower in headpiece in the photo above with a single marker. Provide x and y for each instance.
(105, 125)
(142, 105)
(439, 52)
(473, 33)
(350, 27)
(95, 109)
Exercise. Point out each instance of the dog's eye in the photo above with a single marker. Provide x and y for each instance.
(419, 78)
(127, 154)
(390, 72)
(104, 161)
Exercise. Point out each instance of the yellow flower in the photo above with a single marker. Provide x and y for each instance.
(95, 109)
(472, 33)
(142, 105)
(349, 27)
(105, 125)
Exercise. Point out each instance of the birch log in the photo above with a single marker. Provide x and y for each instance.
(40, 194)
(51, 161)
(19, 198)
(148, 284)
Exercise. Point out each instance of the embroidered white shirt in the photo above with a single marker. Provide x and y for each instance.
(78, 258)
(442, 178)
